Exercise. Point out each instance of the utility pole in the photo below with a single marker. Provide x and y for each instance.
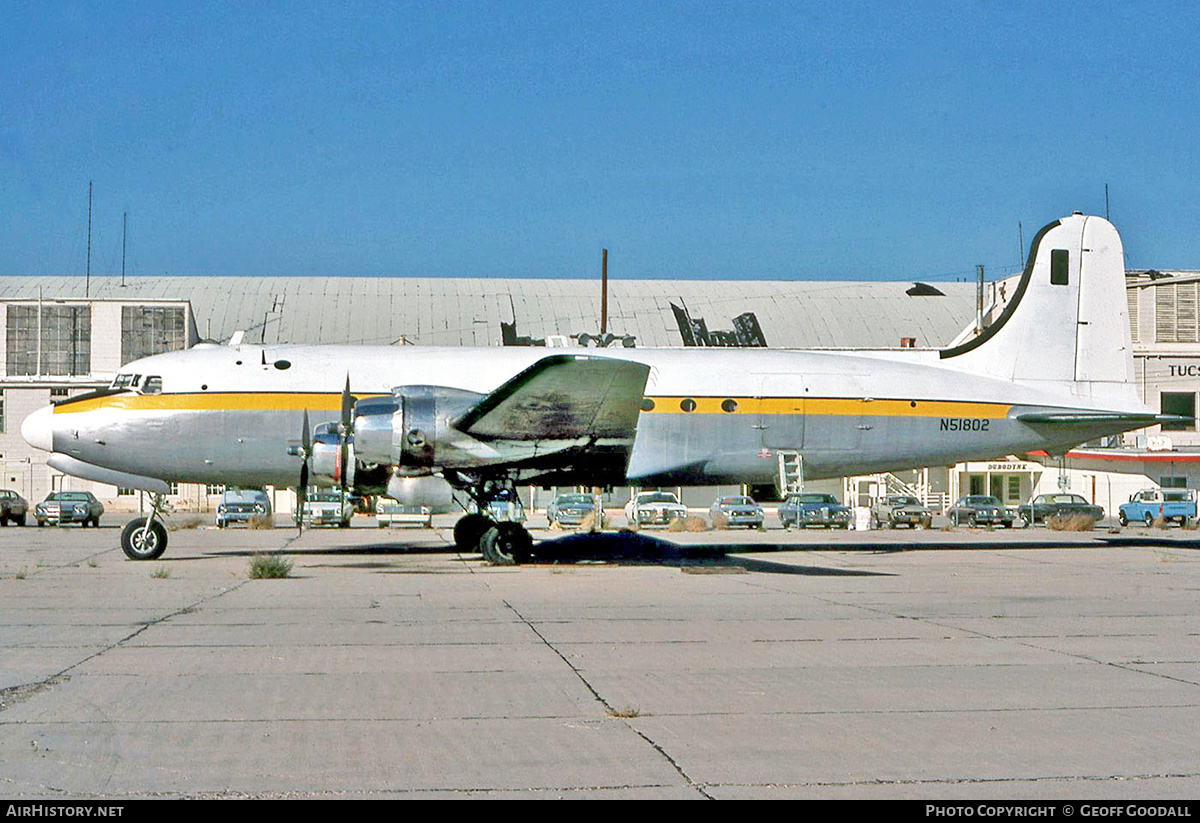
(603, 292)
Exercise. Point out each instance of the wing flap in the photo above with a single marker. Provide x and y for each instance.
(562, 398)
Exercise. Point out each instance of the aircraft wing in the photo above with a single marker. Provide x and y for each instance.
(1070, 418)
(562, 397)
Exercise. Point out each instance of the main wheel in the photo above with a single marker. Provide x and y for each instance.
(506, 544)
(142, 543)
(468, 530)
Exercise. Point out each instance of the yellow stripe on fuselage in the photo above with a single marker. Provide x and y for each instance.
(216, 401)
(332, 401)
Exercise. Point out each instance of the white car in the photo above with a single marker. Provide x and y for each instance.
(654, 508)
(326, 508)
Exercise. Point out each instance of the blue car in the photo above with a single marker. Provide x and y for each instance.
(813, 509)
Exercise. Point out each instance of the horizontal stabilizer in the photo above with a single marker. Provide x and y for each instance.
(1084, 418)
(562, 397)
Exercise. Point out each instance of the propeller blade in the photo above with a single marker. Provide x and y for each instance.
(305, 453)
(347, 405)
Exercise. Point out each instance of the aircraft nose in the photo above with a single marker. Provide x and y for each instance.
(38, 429)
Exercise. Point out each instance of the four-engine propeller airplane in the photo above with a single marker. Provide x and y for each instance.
(1055, 369)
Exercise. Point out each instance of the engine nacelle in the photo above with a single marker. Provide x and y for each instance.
(328, 463)
(405, 428)
(430, 491)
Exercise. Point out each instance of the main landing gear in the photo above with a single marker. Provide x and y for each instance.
(145, 538)
(501, 544)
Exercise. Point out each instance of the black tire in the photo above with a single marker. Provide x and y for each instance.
(468, 530)
(138, 543)
(506, 544)
(21, 520)
(1122, 519)
(1148, 519)
(971, 521)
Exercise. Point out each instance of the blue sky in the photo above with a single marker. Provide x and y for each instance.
(837, 140)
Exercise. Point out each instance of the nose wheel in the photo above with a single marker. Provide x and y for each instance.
(145, 538)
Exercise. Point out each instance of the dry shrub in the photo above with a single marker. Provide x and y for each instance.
(1191, 524)
(720, 522)
(588, 522)
(262, 521)
(269, 567)
(1070, 523)
(1159, 523)
(690, 524)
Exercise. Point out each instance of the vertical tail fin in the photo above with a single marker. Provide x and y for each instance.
(1067, 323)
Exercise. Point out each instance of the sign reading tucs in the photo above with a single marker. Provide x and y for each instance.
(1179, 370)
(964, 424)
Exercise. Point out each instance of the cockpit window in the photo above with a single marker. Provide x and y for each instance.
(123, 381)
(153, 385)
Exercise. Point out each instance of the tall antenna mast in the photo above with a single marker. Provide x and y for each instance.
(124, 226)
(87, 286)
(1106, 201)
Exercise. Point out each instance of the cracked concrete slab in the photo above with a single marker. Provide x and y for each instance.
(388, 666)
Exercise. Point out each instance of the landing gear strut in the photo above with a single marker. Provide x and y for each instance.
(502, 543)
(144, 538)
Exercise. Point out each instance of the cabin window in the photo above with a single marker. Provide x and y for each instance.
(1059, 260)
(729, 405)
(687, 404)
(1181, 403)
(647, 404)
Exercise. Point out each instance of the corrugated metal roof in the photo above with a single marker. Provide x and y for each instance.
(468, 311)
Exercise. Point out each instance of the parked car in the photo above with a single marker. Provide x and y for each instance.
(13, 507)
(503, 506)
(728, 512)
(326, 508)
(572, 510)
(1063, 504)
(814, 509)
(900, 510)
(980, 510)
(69, 507)
(242, 506)
(1168, 505)
(389, 512)
(654, 508)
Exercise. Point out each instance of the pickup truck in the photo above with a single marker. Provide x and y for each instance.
(1167, 505)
